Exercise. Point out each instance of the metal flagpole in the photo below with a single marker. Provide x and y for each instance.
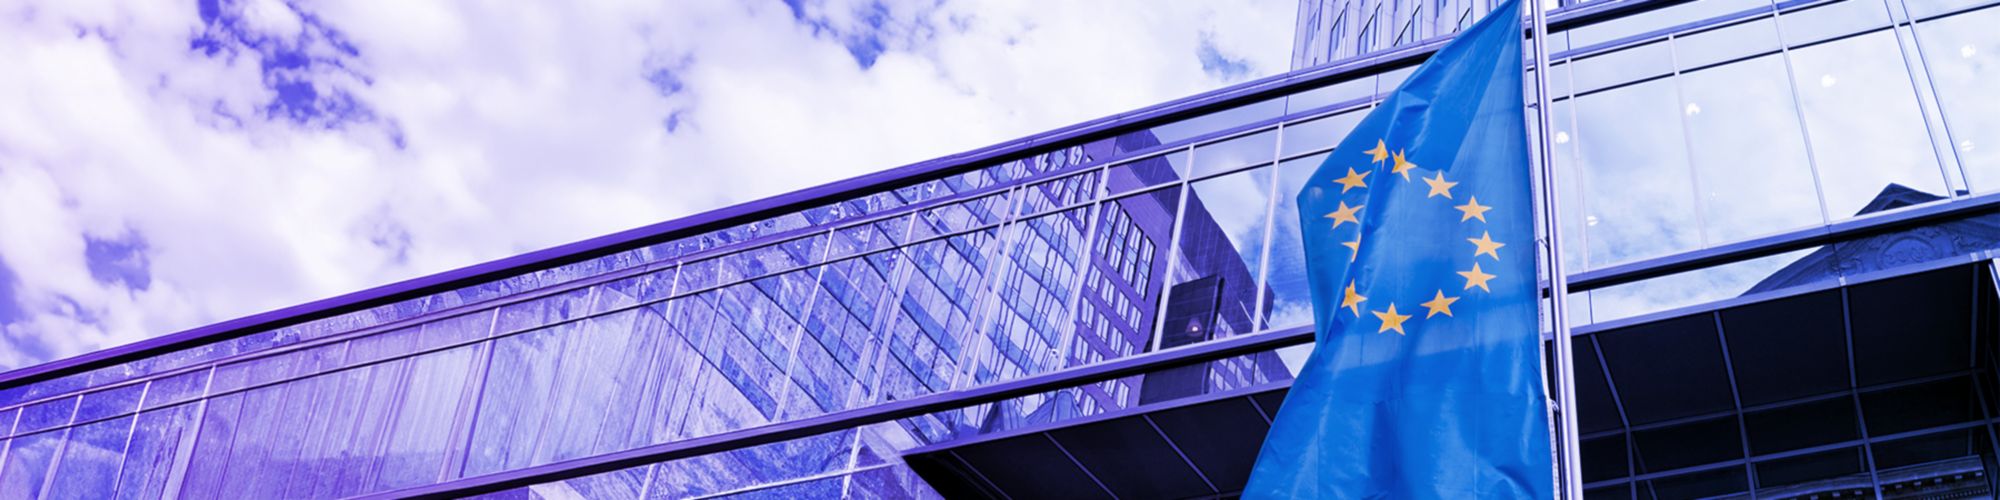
(1569, 470)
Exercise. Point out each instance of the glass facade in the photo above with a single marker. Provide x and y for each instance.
(1682, 129)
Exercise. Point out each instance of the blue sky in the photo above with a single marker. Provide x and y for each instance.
(165, 165)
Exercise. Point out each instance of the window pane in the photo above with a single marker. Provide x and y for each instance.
(1569, 182)
(1637, 188)
(1626, 65)
(1726, 43)
(1027, 322)
(1320, 133)
(1749, 155)
(1832, 20)
(1150, 171)
(1290, 300)
(1221, 241)
(1242, 151)
(1963, 53)
(1861, 115)
(1132, 239)
(1946, 464)
(1839, 472)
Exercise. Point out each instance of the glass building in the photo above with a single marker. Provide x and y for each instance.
(1783, 233)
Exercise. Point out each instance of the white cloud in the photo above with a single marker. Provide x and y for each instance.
(275, 153)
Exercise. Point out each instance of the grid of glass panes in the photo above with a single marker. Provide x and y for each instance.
(991, 274)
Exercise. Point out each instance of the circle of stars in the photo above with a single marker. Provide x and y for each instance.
(1390, 318)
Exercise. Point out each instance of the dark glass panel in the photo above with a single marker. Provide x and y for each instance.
(1604, 458)
(1687, 445)
(1912, 326)
(1803, 425)
(1823, 474)
(1704, 484)
(1789, 348)
(1668, 369)
(1921, 406)
(1950, 464)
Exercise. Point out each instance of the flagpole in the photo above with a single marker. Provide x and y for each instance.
(1569, 469)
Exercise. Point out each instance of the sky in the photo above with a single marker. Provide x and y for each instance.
(165, 165)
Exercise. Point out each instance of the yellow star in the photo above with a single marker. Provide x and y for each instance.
(1355, 246)
(1473, 210)
(1381, 151)
(1391, 320)
(1353, 180)
(1486, 245)
(1353, 300)
(1402, 166)
(1477, 278)
(1441, 304)
(1345, 214)
(1439, 186)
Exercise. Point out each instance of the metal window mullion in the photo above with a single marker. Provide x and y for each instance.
(1737, 462)
(55, 457)
(1088, 259)
(484, 365)
(1735, 397)
(130, 431)
(1687, 143)
(1928, 87)
(1631, 443)
(9, 447)
(1079, 465)
(1171, 248)
(798, 337)
(1992, 440)
(1799, 113)
(184, 454)
(983, 293)
(895, 284)
(1854, 394)
(1180, 454)
(397, 401)
(653, 360)
(1263, 278)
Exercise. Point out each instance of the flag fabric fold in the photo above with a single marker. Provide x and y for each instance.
(1425, 381)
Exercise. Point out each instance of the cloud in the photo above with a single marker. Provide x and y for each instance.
(164, 165)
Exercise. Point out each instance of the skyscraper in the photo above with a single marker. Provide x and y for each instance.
(1781, 217)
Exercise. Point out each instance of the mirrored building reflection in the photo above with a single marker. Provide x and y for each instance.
(1783, 220)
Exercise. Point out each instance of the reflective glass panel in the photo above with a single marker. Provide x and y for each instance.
(1637, 187)
(1727, 43)
(1242, 151)
(1213, 290)
(1320, 133)
(1963, 56)
(1862, 118)
(1289, 297)
(1749, 154)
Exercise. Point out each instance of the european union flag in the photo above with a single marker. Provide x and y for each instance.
(1425, 381)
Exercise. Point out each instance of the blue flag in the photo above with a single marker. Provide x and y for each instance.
(1419, 238)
